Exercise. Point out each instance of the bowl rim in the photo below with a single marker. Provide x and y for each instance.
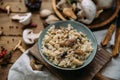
(53, 65)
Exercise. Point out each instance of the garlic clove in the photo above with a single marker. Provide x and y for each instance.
(51, 19)
(45, 13)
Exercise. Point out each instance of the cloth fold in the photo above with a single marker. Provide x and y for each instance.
(112, 69)
(21, 69)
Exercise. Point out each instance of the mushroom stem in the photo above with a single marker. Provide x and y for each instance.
(19, 47)
(35, 36)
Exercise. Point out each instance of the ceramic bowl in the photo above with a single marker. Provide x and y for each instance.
(79, 27)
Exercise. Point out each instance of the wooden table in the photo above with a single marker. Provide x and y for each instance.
(11, 35)
(12, 32)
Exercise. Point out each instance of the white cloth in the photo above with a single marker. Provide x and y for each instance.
(21, 69)
(112, 69)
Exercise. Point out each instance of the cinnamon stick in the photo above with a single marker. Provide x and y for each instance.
(108, 35)
(117, 43)
(99, 76)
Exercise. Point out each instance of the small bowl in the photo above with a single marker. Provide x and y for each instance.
(79, 27)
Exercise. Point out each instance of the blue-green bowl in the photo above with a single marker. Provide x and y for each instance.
(79, 27)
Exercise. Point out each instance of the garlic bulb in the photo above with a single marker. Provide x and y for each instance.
(45, 13)
(51, 19)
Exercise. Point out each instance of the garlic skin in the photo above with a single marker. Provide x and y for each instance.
(45, 13)
(51, 19)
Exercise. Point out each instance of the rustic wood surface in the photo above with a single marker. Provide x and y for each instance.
(12, 31)
(16, 5)
(11, 37)
(102, 57)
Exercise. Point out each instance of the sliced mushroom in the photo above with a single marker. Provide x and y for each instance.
(79, 52)
(77, 62)
(66, 8)
(69, 42)
(51, 19)
(69, 13)
(25, 19)
(74, 6)
(29, 37)
(87, 12)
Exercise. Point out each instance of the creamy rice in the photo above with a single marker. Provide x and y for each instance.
(66, 47)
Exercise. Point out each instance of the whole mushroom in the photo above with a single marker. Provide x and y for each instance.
(24, 19)
(87, 11)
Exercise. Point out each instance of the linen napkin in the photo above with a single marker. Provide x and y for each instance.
(112, 69)
(21, 70)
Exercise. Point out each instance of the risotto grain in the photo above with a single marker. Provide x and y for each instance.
(66, 47)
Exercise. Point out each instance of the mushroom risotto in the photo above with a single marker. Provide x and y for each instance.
(66, 47)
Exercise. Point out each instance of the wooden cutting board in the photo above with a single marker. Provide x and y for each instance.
(101, 59)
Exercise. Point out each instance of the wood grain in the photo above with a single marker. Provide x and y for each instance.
(16, 5)
(14, 28)
(102, 57)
